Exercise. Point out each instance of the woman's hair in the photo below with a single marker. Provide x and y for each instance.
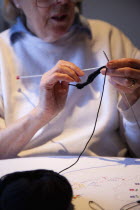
(38, 189)
(9, 11)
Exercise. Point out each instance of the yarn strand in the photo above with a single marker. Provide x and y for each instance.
(90, 78)
(94, 125)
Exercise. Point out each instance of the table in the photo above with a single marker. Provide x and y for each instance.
(109, 182)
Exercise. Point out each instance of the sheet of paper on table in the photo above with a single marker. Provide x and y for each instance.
(110, 182)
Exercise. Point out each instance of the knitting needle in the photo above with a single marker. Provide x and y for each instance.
(106, 56)
(123, 93)
(40, 75)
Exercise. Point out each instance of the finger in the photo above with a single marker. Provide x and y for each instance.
(68, 71)
(72, 66)
(49, 81)
(122, 88)
(125, 82)
(124, 72)
(124, 62)
(104, 71)
(62, 87)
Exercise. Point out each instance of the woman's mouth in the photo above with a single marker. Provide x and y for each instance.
(59, 18)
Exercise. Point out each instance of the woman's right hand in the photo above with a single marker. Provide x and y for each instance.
(54, 88)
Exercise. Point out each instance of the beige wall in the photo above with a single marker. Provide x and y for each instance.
(125, 14)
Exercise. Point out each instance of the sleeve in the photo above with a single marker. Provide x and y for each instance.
(121, 46)
(130, 118)
(130, 127)
(2, 121)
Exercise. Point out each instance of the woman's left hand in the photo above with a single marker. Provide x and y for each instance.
(125, 77)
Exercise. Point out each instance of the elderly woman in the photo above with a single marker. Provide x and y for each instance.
(46, 116)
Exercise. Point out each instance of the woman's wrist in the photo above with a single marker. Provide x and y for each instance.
(40, 117)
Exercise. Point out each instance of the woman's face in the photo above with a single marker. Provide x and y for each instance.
(48, 23)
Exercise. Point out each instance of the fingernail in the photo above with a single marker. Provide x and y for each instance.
(82, 73)
(110, 64)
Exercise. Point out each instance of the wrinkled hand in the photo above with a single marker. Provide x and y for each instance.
(54, 87)
(125, 77)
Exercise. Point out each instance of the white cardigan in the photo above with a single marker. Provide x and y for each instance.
(67, 134)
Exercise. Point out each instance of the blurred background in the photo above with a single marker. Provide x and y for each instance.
(125, 14)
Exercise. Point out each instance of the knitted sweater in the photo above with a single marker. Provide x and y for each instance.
(116, 130)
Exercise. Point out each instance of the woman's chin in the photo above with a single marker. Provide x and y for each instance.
(53, 37)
